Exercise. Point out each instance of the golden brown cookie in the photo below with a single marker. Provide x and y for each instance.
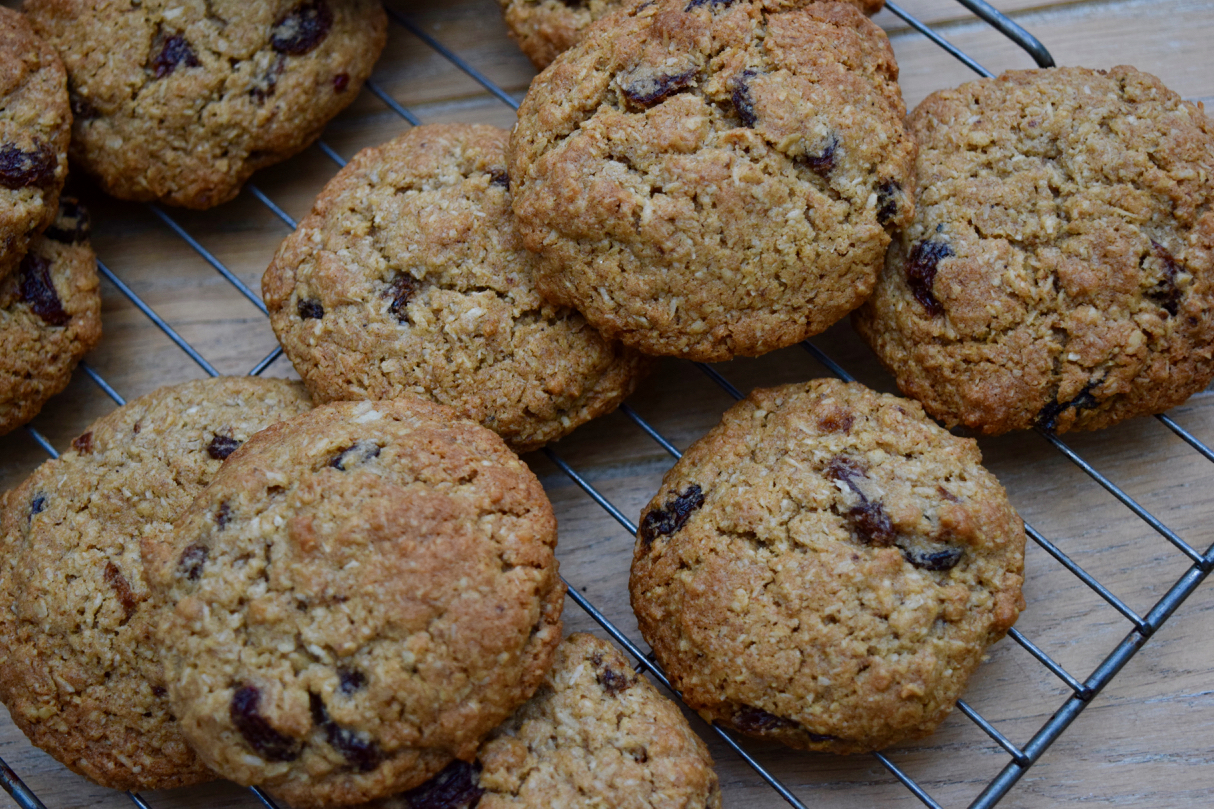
(409, 277)
(77, 668)
(594, 735)
(363, 593)
(826, 568)
(705, 180)
(35, 125)
(1059, 271)
(543, 29)
(182, 102)
(50, 316)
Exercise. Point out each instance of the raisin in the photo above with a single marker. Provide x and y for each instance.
(614, 682)
(868, 519)
(222, 515)
(122, 588)
(823, 162)
(83, 443)
(38, 291)
(743, 102)
(672, 516)
(710, 3)
(37, 504)
(872, 523)
(400, 291)
(945, 559)
(887, 201)
(302, 28)
(260, 735)
(650, 90)
(222, 446)
(363, 755)
(757, 722)
(192, 561)
(310, 309)
(160, 691)
(350, 680)
(575, 3)
(358, 453)
(171, 51)
(340, 82)
(73, 224)
(836, 422)
(499, 177)
(455, 787)
(266, 85)
(21, 169)
(1047, 419)
(921, 273)
(1166, 293)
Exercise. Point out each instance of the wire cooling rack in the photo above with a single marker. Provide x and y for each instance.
(1080, 693)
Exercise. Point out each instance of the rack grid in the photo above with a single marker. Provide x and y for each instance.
(1019, 757)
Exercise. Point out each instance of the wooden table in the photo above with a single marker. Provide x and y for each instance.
(1143, 742)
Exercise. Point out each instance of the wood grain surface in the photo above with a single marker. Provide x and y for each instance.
(1144, 741)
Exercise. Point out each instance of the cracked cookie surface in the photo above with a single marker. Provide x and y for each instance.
(704, 180)
(181, 102)
(595, 734)
(1059, 271)
(50, 316)
(543, 29)
(35, 125)
(408, 276)
(826, 568)
(78, 671)
(361, 595)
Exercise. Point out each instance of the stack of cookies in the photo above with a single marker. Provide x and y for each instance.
(359, 601)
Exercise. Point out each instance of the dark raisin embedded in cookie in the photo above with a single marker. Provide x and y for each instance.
(651, 87)
(20, 169)
(362, 755)
(350, 680)
(38, 290)
(171, 51)
(673, 515)
(401, 291)
(743, 102)
(310, 309)
(358, 453)
(302, 28)
(920, 269)
(453, 788)
(193, 559)
(256, 730)
(222, 446)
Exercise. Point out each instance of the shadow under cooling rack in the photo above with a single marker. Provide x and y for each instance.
(1020, 757)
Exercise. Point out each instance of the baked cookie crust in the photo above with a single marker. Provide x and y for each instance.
(1059, 272)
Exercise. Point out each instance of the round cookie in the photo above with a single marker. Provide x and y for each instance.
(50, 316)
(78, 671)
(377, 294)
(543, 29)
(706, 180)
(35, 125)
(182, 102)
(826, 568)
(363, 593)
(594, 735)
(1059, 272)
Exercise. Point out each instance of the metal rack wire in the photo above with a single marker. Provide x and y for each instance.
(1020, 757)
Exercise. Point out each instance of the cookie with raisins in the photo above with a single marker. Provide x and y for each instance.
(595, 734)
(375, 295)
(543, 29)
(181, 102)
(35, 125)
(362, 594)
(826, 568)
(1059, 271)
(705, 180)
(50, 316)
(78, 671)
